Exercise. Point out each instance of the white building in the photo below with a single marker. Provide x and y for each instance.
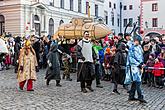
(42, 17)
(130, 12)
(153, 16)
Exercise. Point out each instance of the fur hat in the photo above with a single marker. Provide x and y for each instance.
(137, 38)
(126, 34)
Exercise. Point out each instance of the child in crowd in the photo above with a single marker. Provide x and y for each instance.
(150, 63)
(106, 64)
(158, 73)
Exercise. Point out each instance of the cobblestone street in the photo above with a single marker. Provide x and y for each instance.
(69, 97)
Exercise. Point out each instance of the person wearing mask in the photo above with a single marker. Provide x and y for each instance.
(28, 67)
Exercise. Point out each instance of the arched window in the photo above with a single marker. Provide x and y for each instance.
(2, 24)
(61, 22)
(37, 25)
(51, 26)
(62, 4)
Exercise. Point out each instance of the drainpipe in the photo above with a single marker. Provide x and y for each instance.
(120, 17)
(141, 12)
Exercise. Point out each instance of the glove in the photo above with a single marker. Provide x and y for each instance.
(37, 69)
(83, 58)
(21, 68)
(139, 66)
(51, 68)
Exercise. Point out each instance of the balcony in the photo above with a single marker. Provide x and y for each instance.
(101, 1)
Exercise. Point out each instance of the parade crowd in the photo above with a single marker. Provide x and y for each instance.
(123, 60)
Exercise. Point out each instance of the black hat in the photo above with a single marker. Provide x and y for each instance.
(126, 34)
(120, 34)
(152, 40)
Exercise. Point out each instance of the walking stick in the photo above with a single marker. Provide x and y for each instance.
(78, 74)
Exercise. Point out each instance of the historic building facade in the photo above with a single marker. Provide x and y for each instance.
(42, 17)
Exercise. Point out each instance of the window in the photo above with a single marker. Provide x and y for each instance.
(87, 7)
(154, 22)
(71, 5)
(62, 4)
(2, 24)
(154, 7)
(113, 21)
(110, 5)
(79, 6)
(51, 26)
(125, 8)
(125, 22)
(114, 6)
(51, 2)
(61, 22)
(106, 17)
(131, 21)
(130, 7)
(96, 10)
(118, 22)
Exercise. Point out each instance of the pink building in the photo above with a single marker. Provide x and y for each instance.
(152, 17)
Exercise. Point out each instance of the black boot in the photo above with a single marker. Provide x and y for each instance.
(90, 88)
(58, 83)
(68, 78)
(142, 100)
(47, 82)
(83, 90)
(63, 77)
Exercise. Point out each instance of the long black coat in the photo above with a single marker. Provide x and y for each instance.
(53, 72)
(17, 48)
(118, 72)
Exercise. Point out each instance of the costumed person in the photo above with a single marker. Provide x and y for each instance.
(106, 64)
(118, 74)
(86, 58)
(134, 66)
(127, 37)
(27, 67)
(17, 48)
(66, 59)
(53, 70)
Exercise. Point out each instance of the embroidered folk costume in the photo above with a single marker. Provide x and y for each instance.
(27, 67)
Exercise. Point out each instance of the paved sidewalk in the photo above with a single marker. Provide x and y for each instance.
(69, 97)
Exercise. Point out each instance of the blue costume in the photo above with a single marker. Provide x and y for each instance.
(133, 67)
(134, 59)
